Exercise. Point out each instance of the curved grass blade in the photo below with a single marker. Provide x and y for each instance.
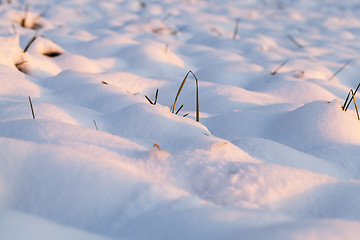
(197, 94)
(347, 98)
(357, 111)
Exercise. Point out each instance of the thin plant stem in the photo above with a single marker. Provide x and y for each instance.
(357, 112)
(179, 109)
(32, 109)
(23, 22)
(96, 125)
(340, 69)
(345, 107)
(236, 29)
(156, 96)
(293, 40)
(31, 42)
(197, 94)
(280, 66)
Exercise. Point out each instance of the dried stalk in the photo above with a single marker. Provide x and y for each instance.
(197, 94)
(32, 109)
(280, 66)
(340, 69)
(156, 96)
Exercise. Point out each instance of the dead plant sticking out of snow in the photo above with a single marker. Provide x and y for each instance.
(280, 66)
(96, 125)
(172, 109)
(197, 95)
(340, 69)
(236, 29)
(32, 40)
(348, 100)
(156, 96)
(24, 21)
(32, 109)
(294, 41)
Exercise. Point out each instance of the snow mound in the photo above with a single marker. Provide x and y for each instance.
(14, 84)
(151, 124)
(275, 153)
(38, 228)
(316, 125)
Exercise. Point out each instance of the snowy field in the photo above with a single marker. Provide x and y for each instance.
(273, 155)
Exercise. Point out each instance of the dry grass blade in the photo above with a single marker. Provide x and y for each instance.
(23, 21)
(345, 107)
(340, 69)
(32, 109)
(96, 125)
(156, 96)
(197, 94)
(179, 109)
(349, 99)
(166, 17)
(280, 66)
(346, 101)
(31, 42)
(357, 111)
(236, 28)
(293, 40)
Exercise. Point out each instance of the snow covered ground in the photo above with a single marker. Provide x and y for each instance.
(273, 155)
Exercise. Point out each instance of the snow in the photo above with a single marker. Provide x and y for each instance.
(272, 156)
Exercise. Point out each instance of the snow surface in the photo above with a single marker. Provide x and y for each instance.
(273, 156)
